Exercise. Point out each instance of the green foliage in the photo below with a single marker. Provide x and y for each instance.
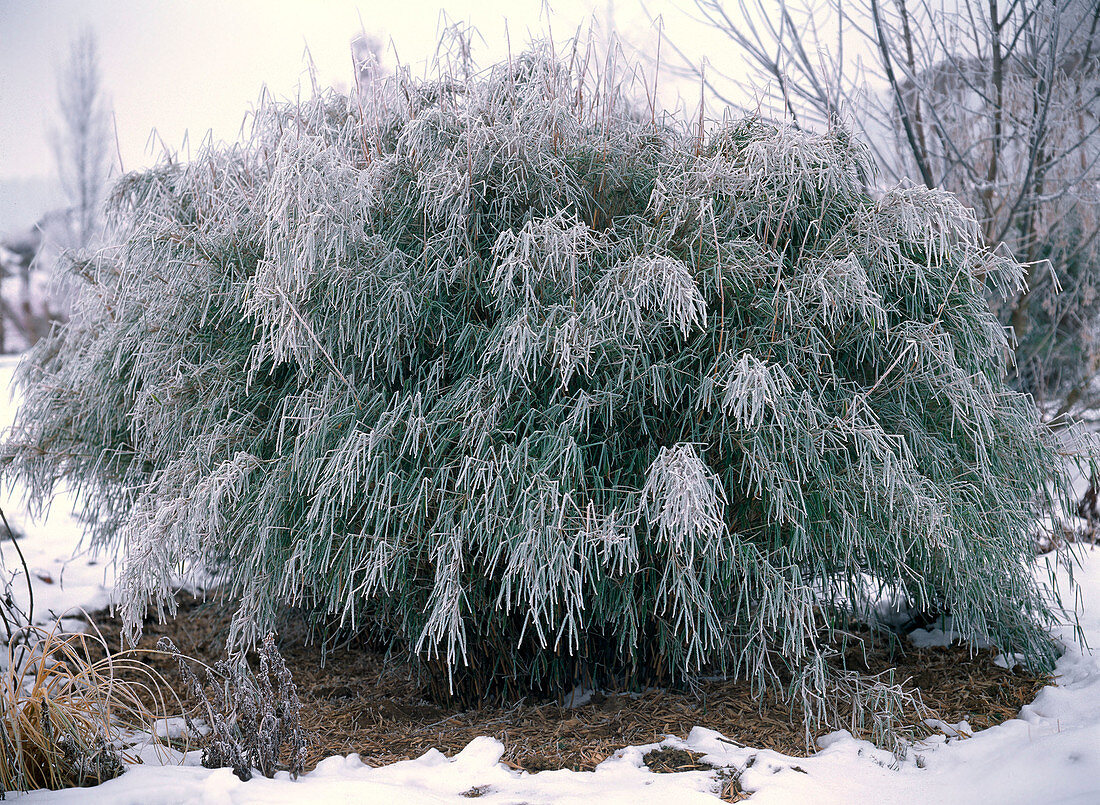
(544, 390)
(1058, 352)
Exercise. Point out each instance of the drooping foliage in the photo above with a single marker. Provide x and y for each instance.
(543, 390)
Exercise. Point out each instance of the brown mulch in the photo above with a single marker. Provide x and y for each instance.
(361, 702)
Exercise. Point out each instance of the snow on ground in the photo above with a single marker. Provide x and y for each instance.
(1049, 754)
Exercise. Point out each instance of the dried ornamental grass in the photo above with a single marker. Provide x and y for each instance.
(541, 390)
(69, 721)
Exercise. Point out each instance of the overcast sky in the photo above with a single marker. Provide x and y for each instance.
(198, 65)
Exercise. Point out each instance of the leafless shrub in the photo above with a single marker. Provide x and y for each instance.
(253, 720)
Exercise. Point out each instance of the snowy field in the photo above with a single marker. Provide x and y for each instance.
(1049, 754)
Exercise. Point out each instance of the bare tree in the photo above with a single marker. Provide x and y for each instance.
(82, 140)
(997, 101)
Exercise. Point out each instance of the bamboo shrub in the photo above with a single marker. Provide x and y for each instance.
(544, 390)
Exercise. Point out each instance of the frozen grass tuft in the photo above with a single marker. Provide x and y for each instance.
(69, 720)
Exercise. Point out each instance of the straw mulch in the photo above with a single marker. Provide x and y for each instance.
(361, 702)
